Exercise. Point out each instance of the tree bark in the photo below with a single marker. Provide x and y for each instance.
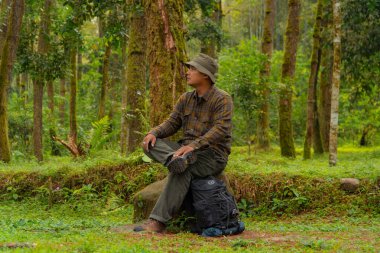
(135, 78)
(326, 76)
(5, 7)
(6, 65)
(62, 93)
(105, 82)
(287, 79)
(73, 95)
(333, 144)
(124, 126)
(313, 80)
(266, 48)
(166, 53)
(38, 84)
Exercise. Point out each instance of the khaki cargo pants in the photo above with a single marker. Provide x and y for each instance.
(176, 189)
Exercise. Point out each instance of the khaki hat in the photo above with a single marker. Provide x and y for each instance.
(206, 65)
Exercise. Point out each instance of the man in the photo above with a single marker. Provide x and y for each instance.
(205, 115)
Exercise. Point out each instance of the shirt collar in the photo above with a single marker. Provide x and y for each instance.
(205, 96)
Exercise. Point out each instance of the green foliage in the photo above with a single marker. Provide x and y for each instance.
(239, 69)
(99, 134)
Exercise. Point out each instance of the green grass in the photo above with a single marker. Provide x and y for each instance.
(54, 163)
(358, 162)
(85, 227)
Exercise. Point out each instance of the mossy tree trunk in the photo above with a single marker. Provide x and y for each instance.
(73, 95)
(52, 121)
(287, 79)
(266, 48)
(39, 82)
(62, 94)
(313, 80)
(333, 144)
(124, 126)
(5, 7)
(135, 76)
(105, 81)
(8, 57)
(166, 53)
(324, 109)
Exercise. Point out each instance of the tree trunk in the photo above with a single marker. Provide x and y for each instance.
(38, 89)
(333, 144)
(105, 82)
(287, 79)
(38, 84)
(62, 93)
(317, 139)
(4, 12)
(266, 48)
(135, 78)
(124, 126)
(24, 87)
(73, 95)
(313, 80)
(6, 65)
(166, 53)
(52, 130)
(79, 66)
(326, 76)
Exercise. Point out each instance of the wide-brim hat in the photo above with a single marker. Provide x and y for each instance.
(206, 65)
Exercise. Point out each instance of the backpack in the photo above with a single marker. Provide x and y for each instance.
(214, 206)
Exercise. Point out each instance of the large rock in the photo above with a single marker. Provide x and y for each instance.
(349, 184)
(144, 200)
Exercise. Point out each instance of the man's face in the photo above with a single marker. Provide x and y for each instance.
(194, 77)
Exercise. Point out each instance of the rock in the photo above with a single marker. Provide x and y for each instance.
(349, 184)
(144, 200)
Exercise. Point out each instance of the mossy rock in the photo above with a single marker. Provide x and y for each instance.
(144, 200)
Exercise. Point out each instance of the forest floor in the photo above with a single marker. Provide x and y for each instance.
(30, 226)
(82, 219)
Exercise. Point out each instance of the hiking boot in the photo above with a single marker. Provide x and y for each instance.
(179, 164)
(151, 225)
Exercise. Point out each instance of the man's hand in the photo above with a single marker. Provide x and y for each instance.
(149, 138)
(182, 151)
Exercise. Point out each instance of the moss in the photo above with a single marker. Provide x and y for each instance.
(288, 69)
(166, 52)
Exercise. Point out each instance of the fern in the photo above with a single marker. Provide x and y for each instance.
(99, 134)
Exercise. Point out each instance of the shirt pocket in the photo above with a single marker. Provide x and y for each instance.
(206, 123)
(186, 119)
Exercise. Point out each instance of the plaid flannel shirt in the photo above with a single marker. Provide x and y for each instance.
(206, 121)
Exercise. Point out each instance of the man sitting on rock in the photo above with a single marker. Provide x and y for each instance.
(205, 115)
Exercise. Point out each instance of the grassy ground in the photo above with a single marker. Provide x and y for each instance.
(359, 162)
(87, 227)
(78, 217)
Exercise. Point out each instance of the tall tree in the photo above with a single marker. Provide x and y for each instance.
(4, 14)
(266, 48)
(166, 53)
(333, 144)
(38, 83)
(73, 96)
(6, 65)
(313, 80)
(135, 77)
(105, 81)
(324, 108)
(104, 70)
(287, 79)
